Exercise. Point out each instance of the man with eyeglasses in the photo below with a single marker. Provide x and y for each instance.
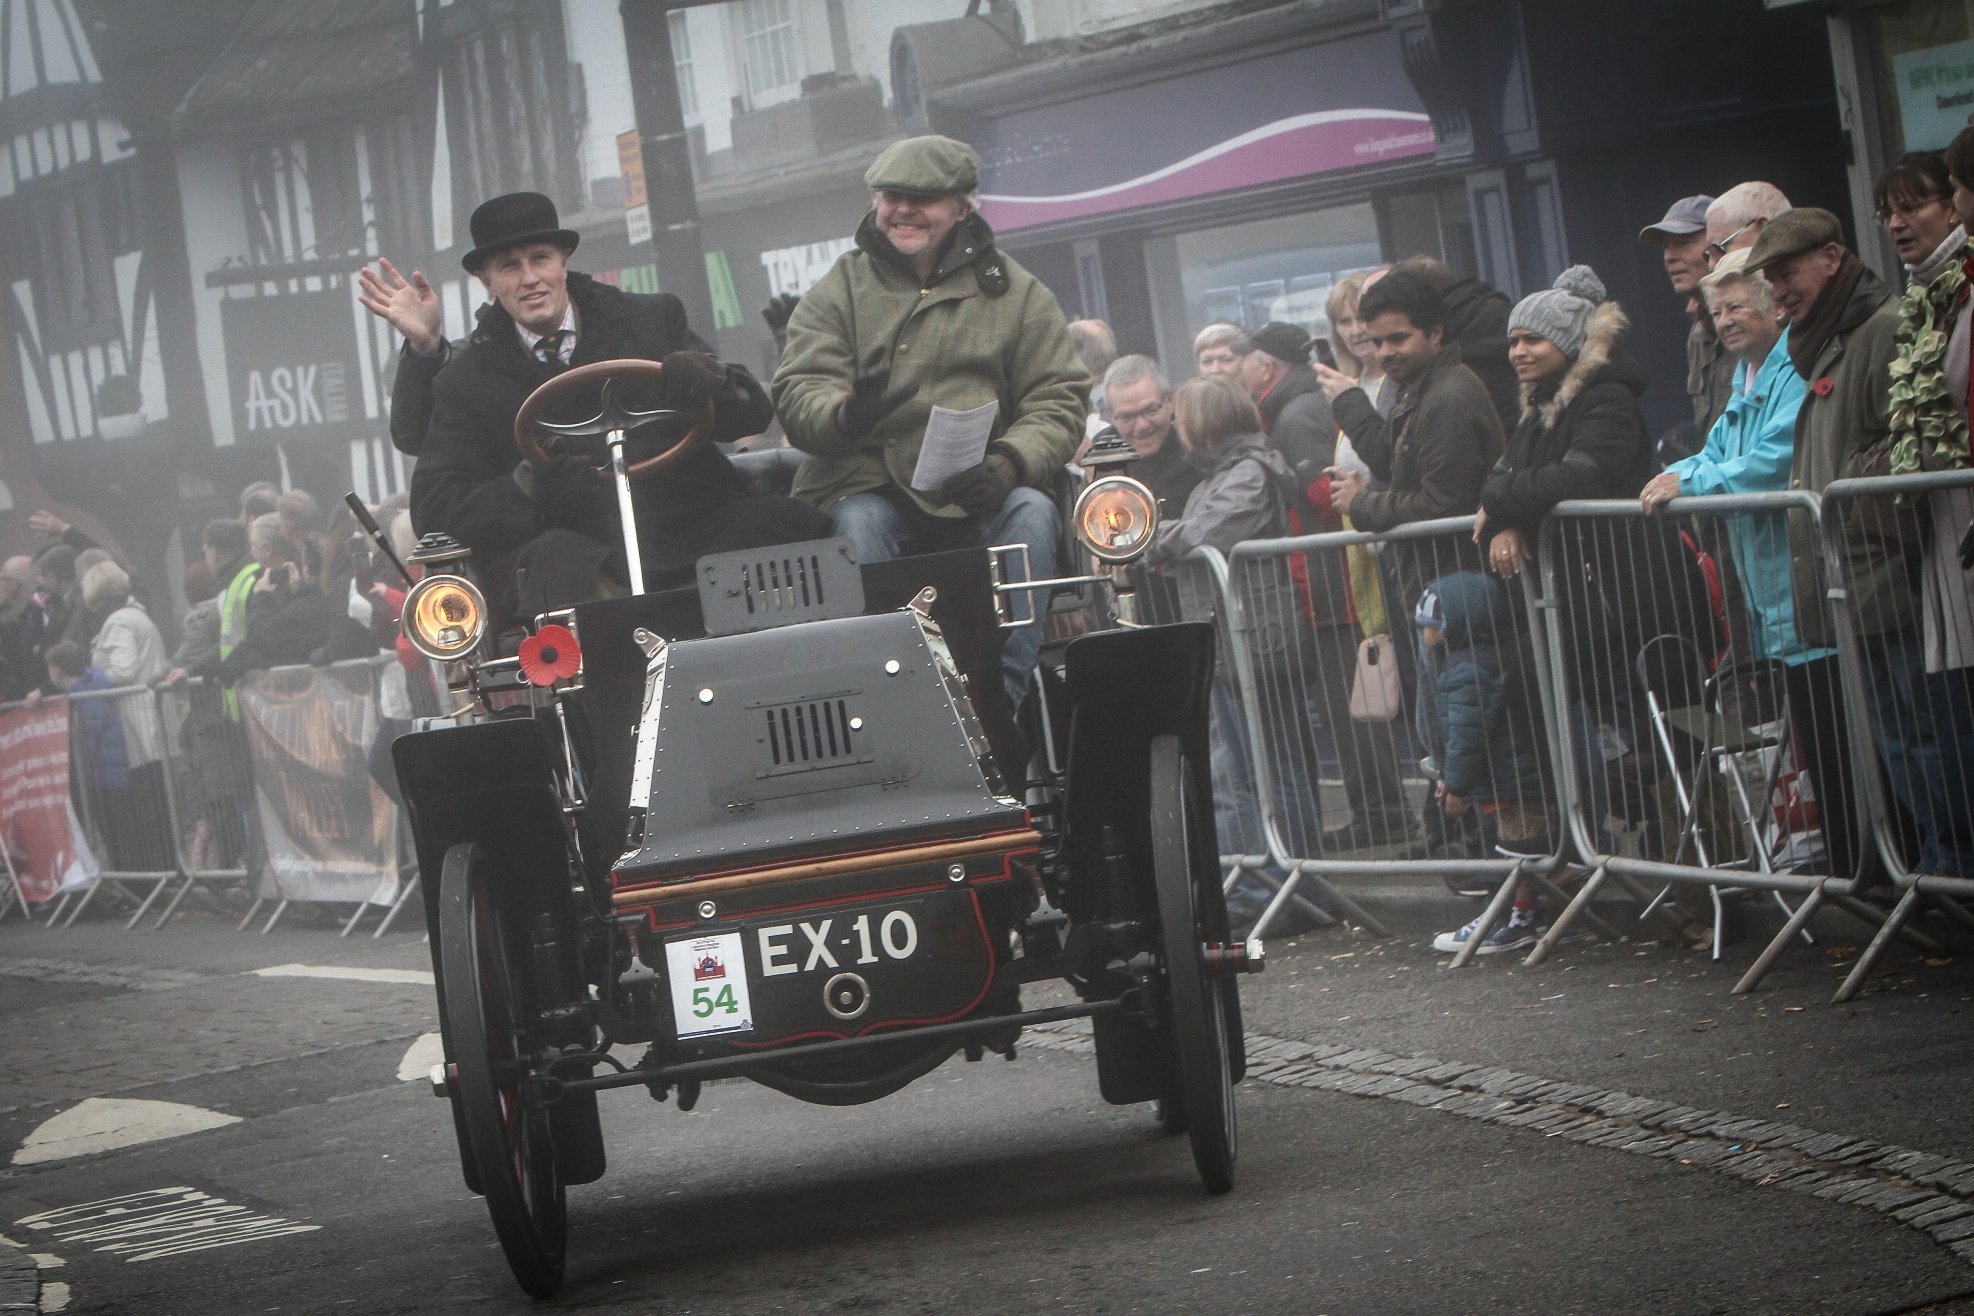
(1682, 236)
(1738, 216)
(1138, 402)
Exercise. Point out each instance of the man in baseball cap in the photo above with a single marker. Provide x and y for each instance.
(1682, 236)
(926, 311)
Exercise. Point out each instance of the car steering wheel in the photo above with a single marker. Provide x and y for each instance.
(612, 418)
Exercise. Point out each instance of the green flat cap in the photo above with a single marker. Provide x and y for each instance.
(1792, 232)
(929, 165)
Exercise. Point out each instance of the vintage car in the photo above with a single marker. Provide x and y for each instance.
(783, 826)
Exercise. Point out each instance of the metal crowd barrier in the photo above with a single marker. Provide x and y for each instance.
(1472, 705)
(1680, 724)
(1903, 608)
(162, 782)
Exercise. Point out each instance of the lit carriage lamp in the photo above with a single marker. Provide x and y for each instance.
(1114, 520)
(445, 615)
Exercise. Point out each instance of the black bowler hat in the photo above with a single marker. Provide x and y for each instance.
(1284, 342)
(510, 221)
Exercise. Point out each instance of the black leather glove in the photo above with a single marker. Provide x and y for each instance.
(690, 379)
(566, 489)
(868, 404)
(777, 311)
(981, 489)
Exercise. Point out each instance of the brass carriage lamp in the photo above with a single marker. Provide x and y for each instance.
(445, 615)
(1115, 516)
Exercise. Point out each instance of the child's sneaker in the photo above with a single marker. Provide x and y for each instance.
(1512, 933)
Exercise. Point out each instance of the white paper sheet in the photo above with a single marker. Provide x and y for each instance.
(955, 441)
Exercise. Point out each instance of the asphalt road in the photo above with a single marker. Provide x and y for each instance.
(999, 1187)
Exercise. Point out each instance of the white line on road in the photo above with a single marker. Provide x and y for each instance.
(162, 1222)
(420, 976)
(427, 1051)
(99, 1124)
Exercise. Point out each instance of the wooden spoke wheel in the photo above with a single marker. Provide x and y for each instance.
(1197, 1008)
(487, 1007)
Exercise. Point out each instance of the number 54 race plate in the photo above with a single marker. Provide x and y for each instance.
(709, 985)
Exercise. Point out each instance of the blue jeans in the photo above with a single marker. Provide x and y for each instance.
(1925, 734)
(881, 530)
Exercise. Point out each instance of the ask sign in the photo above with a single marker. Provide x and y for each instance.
(291, 366)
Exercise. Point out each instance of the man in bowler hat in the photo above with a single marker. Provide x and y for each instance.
(558, 521)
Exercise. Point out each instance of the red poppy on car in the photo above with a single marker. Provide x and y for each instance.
(1822, 387)
(550, 655)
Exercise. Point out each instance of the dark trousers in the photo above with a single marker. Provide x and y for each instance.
(1816, 720)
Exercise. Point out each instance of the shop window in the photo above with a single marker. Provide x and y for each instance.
(1271, 269)
(1923, 54)
(768, 51)
(1437, 223)
(682, 63)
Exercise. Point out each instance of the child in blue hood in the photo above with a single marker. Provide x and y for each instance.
(1491, 754)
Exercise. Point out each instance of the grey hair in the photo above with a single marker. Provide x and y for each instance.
(264, 535)
(1220, 331)
(1129, 370)
(1096, 346)
(1744, 203)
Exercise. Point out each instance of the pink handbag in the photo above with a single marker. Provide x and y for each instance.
(1374, 695)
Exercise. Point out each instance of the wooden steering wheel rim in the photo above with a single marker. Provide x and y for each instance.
(696, 438)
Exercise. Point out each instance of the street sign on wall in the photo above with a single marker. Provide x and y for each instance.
(292, 370)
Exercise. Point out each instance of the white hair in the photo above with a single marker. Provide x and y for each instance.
(1744, 203)
(1129, 370)
(1220, 331)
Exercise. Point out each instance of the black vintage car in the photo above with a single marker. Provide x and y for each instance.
(783, 826)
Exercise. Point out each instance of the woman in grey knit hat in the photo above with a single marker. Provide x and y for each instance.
(1582, 435)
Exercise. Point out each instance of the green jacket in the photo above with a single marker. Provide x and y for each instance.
(1842, 431)
(983, 329)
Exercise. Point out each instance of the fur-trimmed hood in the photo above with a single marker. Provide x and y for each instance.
(1604, 355)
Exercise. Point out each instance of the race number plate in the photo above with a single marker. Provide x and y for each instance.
(709, 985)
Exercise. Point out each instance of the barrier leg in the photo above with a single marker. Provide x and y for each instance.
(404, 894)
(83, 903)
(1563, 898)
(275, 917)
(1854, 983)
(1876, 918)
(1646, 902)
(1284, 892)
(355, 918)
(55, 914)
(157, 888)
(1798, 923)
(1352, 911)
(1489, 917)
(1953, 909)
(1720, 919)
(252, 911)
(176, 900)
(1578, 905)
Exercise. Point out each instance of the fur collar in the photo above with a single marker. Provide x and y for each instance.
(1607, 325)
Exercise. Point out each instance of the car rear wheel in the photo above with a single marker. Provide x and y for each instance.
(488, 1008)
(1196, 1005)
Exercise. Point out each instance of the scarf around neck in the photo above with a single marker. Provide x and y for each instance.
(1813, 334)
(1922, 411)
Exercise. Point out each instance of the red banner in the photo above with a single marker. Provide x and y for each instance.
(37, 823)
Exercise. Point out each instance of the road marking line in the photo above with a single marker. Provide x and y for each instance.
(427, 1051)
(161, 1222)
(421, 977)
(99, 1124)
(1917, 1189)
(54, 1296)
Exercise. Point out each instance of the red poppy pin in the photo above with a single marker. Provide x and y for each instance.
(550, 655)
(1822, 387)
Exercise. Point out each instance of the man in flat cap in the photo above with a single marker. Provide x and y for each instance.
(925, 311)
(559, 520)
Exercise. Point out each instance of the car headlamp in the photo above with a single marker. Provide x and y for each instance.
(1115, 518)
(445, 616)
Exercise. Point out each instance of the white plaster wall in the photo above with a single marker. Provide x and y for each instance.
(215, 229)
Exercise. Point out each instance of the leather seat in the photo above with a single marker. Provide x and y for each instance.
(768, 472)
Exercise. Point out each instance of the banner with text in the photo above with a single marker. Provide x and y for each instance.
(328, 826)
(38, 825)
